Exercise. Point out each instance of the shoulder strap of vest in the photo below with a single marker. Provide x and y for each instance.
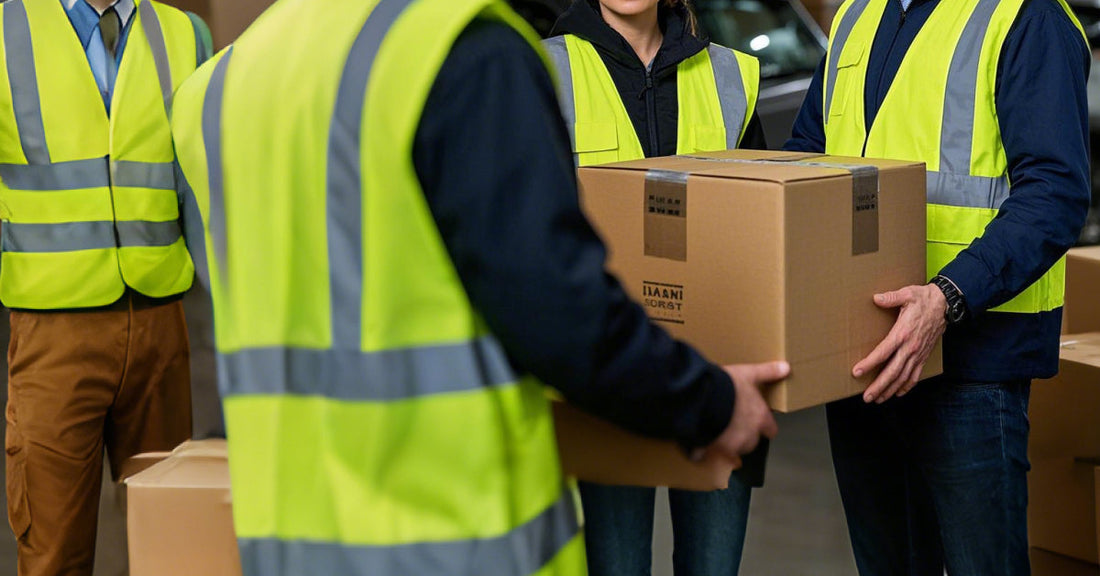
(150, 23)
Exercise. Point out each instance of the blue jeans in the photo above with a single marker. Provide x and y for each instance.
(708, 529)
(935, 479)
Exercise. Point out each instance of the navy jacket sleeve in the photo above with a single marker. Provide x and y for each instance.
(493, 157)
(808, 134)
(1043, 111)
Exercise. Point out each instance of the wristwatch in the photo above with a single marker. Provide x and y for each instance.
(956, 302)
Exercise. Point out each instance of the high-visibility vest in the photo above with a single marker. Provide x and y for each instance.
(88, 201)
(375, 424)
(716, 88)
(940, 110)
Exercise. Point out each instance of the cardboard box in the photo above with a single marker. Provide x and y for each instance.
(140, 463)
(1064, 448)
(180, 520)
(1044, 563)
(598, 451)
(758, 256)
(1082, 309)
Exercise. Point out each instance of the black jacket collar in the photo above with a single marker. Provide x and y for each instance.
(583, 19)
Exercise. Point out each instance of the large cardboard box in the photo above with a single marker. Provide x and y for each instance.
(1064, 447)
(179, 518)
(1082, 309)
(1045, 563)
(757, 256)
(597, 451)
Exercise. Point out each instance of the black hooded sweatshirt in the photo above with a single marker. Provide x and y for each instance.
(649, 95)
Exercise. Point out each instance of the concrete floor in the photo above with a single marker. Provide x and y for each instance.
(796, 525)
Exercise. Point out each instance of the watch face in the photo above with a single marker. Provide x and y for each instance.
(955, 313)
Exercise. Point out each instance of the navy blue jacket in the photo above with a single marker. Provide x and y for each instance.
(1043, 115)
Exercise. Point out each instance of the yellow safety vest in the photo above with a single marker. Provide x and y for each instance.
(375, 425)
(717, 90)
(88, 202)
(940, 110)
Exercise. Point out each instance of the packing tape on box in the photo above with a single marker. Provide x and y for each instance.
(865, 193)
(665, 220)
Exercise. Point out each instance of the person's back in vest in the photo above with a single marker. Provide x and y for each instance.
(645, 73)
(93, 263)
(991, 97)
(397, 259)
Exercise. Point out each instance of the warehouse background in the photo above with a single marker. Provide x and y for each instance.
(796, 523)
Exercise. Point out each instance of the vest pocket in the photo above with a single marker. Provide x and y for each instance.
(848, 85)
(19, 514)
(595, 137)
(705, 139)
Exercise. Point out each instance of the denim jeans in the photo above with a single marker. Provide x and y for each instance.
(935, 479)
(708, 529)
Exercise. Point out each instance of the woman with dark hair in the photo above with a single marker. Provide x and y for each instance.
(637, 78)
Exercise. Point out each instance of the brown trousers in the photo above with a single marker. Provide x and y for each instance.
(79, 383)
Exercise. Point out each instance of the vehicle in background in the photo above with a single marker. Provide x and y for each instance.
(1088, 12)
(780, 33)
(788, 43)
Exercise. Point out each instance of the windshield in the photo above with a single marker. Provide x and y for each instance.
(771, 30)
(1089, 16)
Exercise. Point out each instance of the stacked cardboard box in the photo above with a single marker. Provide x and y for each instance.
(757, 256)
(1045, 563)
(1065, 451)
(179, 517)
(1082, 309)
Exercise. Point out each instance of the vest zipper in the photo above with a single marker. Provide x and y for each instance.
(882, 75)
(651, 113)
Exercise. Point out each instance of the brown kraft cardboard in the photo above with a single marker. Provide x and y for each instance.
(757, 256)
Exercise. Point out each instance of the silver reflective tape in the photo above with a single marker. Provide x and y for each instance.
(353, 375)
(84, 174)
(75, 175)
(142, 234)
(65, 237)
(957, 134)
(559, 56)
(212, 141)
(344, 196)
(965, 191)
(731, 92)
(24, 83)
(155, 175)
(150, 23)
(521, 552)
(843, 30)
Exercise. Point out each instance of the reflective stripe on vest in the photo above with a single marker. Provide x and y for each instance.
(963, 196)
(393, 375)
(381, 400)
(731, 98)
(538, 539)
(47, 235)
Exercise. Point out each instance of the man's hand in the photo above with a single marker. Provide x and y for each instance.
(751, 416)
(906, 348)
